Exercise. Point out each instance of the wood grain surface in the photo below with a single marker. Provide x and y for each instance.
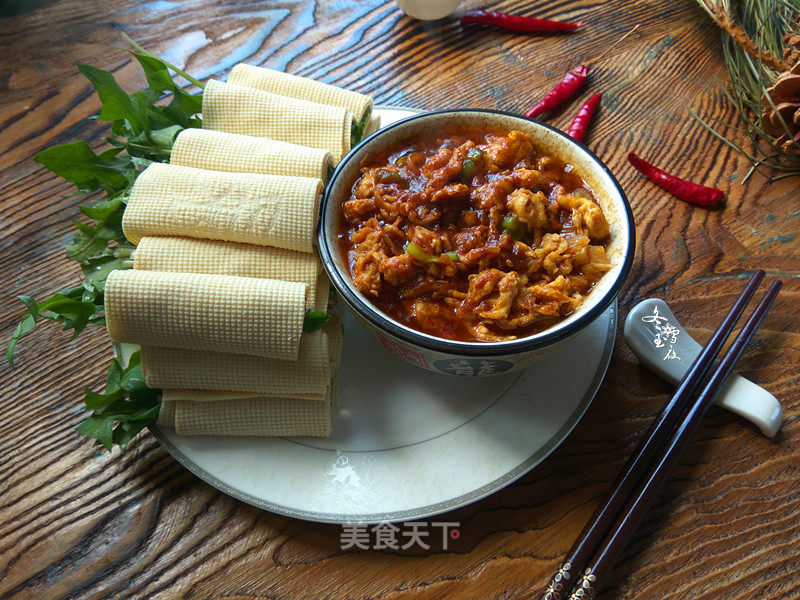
(76, 522)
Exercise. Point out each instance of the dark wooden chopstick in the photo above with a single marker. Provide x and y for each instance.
(599, 566)
(607, 511)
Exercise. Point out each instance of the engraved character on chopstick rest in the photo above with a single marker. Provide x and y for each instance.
(665, 333)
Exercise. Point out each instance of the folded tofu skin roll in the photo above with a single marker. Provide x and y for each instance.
(253, 416)
(220, 313)
(267, 210)
(322, 293)
(239, 109)
(200, 396)
(333, 329)
(235, 153)
(307, 377)
(213, 257)
(276, 82)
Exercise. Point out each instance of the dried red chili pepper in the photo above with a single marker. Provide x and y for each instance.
(564, 90)
(581, 121)
(688, 191)
(516, 22)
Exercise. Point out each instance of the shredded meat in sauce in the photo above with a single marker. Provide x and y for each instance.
(472, 236)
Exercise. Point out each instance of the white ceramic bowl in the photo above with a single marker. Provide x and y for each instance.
(478, 358)
(428, 10)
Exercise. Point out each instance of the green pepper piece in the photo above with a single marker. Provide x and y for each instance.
(465, 176)
(473, 155)
(387, 176)
(453, 256)
(419, 254)
(513, 227)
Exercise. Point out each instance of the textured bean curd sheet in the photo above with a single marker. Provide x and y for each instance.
(473, 236)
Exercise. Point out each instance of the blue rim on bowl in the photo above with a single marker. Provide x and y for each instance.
(329, 250)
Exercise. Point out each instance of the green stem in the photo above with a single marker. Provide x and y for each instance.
(123, 252)
(180, 72)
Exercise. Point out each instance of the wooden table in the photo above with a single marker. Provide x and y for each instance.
(76, 522)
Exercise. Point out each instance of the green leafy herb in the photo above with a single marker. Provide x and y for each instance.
(24, 328)
(74, 309)
(77, 163)
(142, 52)
(116, 103)
(356, 132)
(125, 408)
(96, 269)
(143, 130)
(314, 319)
(92, 240)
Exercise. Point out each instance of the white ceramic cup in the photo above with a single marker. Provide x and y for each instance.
(427, 10)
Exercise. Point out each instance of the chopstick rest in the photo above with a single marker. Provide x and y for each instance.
(660, 343)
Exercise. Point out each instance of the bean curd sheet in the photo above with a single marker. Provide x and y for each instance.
(473, 236)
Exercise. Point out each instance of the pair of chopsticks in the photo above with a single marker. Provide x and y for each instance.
(592, 556)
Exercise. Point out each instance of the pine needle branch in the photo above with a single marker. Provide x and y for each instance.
(754, 34)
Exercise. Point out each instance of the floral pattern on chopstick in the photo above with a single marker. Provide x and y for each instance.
(585, 589)
(555, 587)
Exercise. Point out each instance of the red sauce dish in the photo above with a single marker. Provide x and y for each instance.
(476, 236)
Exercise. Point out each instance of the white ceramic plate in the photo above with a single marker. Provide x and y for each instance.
(408, 443)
